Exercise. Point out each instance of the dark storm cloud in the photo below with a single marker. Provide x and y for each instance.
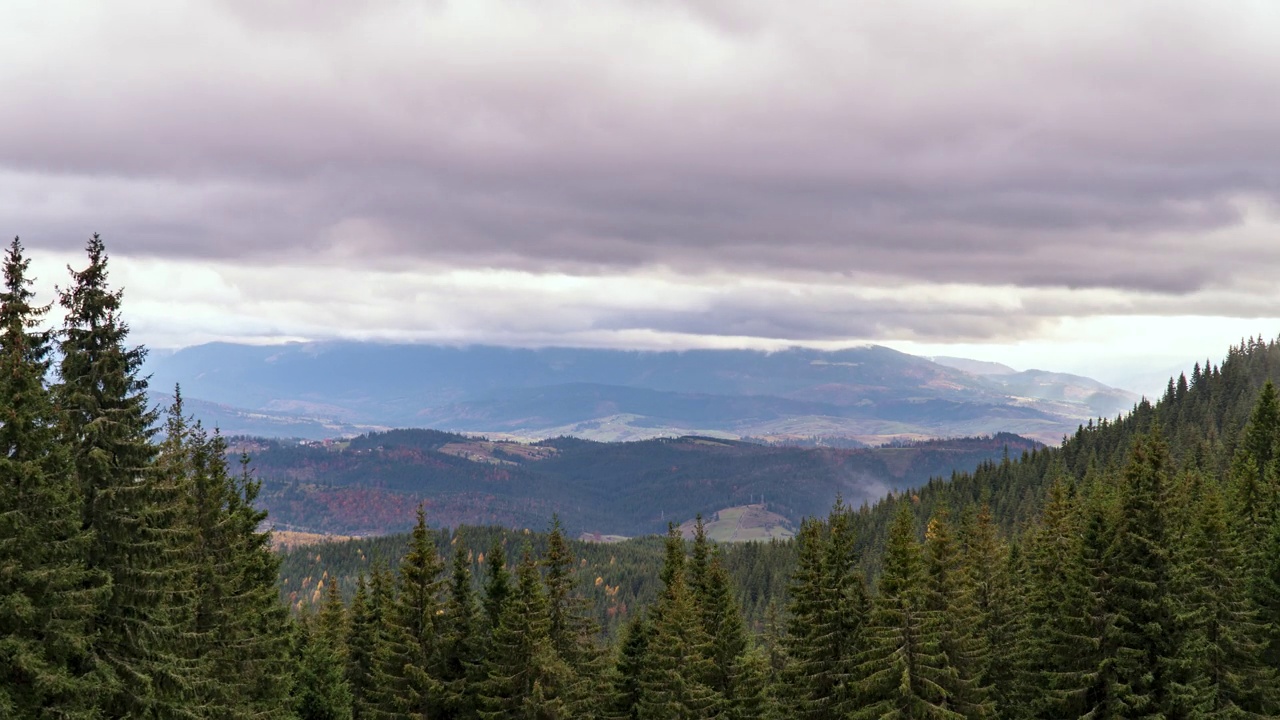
(1093, 145)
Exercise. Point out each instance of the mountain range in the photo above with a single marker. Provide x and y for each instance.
(871, 394)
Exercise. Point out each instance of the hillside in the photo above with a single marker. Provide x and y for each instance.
(874, 394)
(372, 483)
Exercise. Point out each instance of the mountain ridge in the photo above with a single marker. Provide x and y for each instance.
(871, 393)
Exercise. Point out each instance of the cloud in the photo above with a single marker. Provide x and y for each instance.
(909, 170)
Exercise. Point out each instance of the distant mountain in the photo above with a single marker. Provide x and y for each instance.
(868, 393)
(974, 367)
(373, 483)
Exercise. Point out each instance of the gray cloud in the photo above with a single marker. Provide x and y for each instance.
(1088, 145)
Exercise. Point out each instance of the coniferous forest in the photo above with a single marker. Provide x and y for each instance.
(1132, 572)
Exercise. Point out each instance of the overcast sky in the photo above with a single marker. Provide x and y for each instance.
(1088, 185)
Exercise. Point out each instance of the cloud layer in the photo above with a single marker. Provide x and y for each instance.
(825, 172)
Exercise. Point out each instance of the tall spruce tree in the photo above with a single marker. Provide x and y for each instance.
(571, 628)
(904, 671)
(321, 690)
(461, 643)
(828, 613)
(949, 599)
(677, 662)
(997, 610)
(1220, 664)
(409, 670)
(1139, 567)
(524, 676)
(133, 514)
(47, 595)
(632, 657)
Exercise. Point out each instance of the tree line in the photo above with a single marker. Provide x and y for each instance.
(1135, 572)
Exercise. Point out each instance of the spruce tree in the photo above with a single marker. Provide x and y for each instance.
(633, 656)
(409, 670)
(571, 628)
(996, 607)
(321, 690)
(524, 677)
(461, 651)
(47, 595)
(1221, 661)
(827, 619)
(366, 644)
(721, 617)
(904, 670)
(1139, 569)
(949, 599)
(672, 682)
(497, 586)
(133, 513)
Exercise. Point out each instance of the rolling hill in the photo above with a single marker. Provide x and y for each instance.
(373, 483)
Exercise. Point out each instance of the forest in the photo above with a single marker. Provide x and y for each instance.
(1132, 572)
(372, 484)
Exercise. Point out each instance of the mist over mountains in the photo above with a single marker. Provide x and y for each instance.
(870, 393)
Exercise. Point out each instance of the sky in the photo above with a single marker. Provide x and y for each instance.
(1086, 186)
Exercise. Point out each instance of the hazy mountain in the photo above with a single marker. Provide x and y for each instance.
(974, 367)
(869, 392)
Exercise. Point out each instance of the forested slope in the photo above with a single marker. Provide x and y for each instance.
(372, 483)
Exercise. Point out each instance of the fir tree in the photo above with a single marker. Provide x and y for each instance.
(1220, 661)
(904, 670)
(672, 685)
(523, 674)
(571, 629)
(1139, 567)
(633, 650)
(133, 513)
(996, 607)
(949, 599)
(47, 595)
(409, 669)
(461, 653)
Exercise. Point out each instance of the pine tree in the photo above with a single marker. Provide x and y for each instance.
(409, 670)
(461, 653)
(523, 674)
(133, 513)
(997, 608)
(571, 629)
(949, 598)
(672, 685)
(829, 608)
(497, 586)
(321, 690)
(633, 656)
(1221, 658)
(47, 595)
(1139, 568)
(904, 671)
